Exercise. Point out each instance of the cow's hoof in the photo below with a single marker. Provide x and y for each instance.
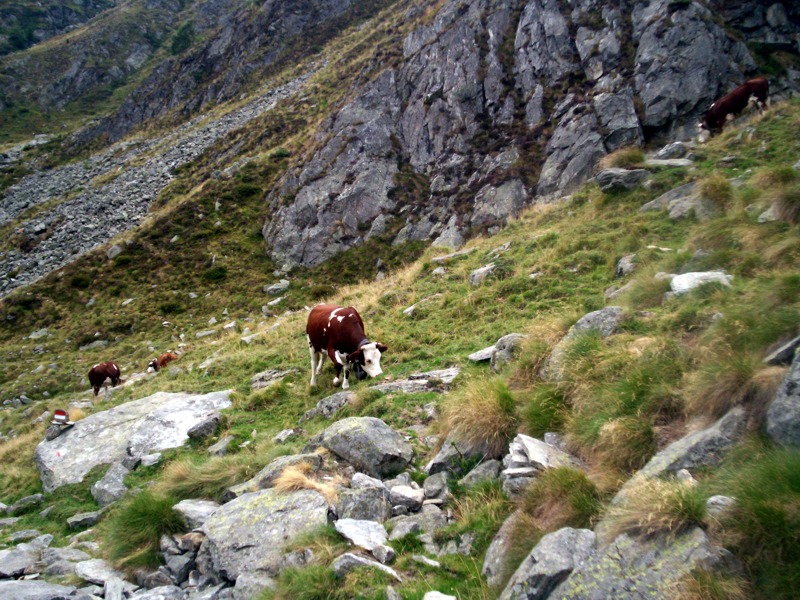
(336, 381)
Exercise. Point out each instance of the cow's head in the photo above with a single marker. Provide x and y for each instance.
(369, 357)
(152, 365)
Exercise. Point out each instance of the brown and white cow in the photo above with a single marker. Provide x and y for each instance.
(102, 371)
(340, 332)
(754, 92)
(159, 363)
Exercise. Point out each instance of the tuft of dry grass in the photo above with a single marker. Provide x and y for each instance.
(787, 204)
(732, 378)
(561, 497)
(708, 585)
(653, 507)
(623, 158)
(717, 189)
(297, 478)
(482, 414)
(626, 443)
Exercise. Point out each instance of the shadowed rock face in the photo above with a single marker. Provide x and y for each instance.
(151, 424)
(564, 84)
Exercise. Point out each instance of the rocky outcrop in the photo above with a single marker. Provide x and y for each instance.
(150, 424)
(783, 414)
(251, 531)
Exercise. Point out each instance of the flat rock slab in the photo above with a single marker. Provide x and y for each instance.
(364, 534)
(329, 406)
(150, 424)
(13, 562)
(429, 381)
(97, 571)
(686, 282)
(35, 590)
(251, 531)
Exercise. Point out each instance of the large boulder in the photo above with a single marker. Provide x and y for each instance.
(250, 532)
(549, 563)
(783, 414)
(368, 444)
(631, 568)
(35, 590)
(150, 424)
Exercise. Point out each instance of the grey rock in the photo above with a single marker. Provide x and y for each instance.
(24, 535)
(620, 180)
(683, 195)
(717, 505)
(429, 520)
(364, 503)
(630, 569)
(603, 322)
(9, 521)
(385, 554)
(195, 512)
(438, 596)
(413, 308)
(113, 252)
(478, 276)
(347, 562)
(287, 435)
(205, 427)
(250, 531)
(452, 256)
(784, 354)
(549, 563)
(23, 504)
(617, 116)
(435, 486)
(179, 566)
(266, 476)
(277, 288)
(54, 555)
(783, 414)
(453, 455)
(134, 428)
(625, 266)
(485, 471)
(36, 545)
(673, 150)
(496, 560)
(167, 592)
(482, 355)
(361, 481)
(329, 406)
(111, 487)
(221, 447)
(364, 534)
(505, 350)
(407, 496)
(14, 562)
(429, 381)
(262, 380)
(252, 585)
(97, 571)
(687, 282)
(496, 205)
(35, 590)
(86, 519)
(366, 443)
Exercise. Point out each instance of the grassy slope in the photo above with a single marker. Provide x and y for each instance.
(624, 397)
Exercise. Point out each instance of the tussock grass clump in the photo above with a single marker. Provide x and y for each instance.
(482, 414)
(188, 478)
(763, 527)
(655, 507)
(717, 189)
(545, 409)
(787, 204)
(480, 512)
(623, 158)
(562, 497)
(708, 585)
(17, 477)
(132, 532)
(731, 378)
(297, 478)
(626, 443)
(647, 291)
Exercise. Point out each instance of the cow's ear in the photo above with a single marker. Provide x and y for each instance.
(354, 356)
(381, 347)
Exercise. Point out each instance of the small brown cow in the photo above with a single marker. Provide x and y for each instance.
(159, 363)
(102, 371)
(753, 92)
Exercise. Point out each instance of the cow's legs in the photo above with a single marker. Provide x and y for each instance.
(314, 366)
(319, 363)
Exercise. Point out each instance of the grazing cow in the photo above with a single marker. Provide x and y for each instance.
(159, 363)
(340, 332)
(753, 92)
(100, 372)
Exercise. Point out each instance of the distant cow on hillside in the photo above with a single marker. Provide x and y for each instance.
(340, 332)
(159, 363)
(754, 93)
(102, 371)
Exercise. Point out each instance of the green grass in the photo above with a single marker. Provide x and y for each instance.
(132, 531)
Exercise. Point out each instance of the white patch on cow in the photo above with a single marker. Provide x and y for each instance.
(151, 370)
(340, 358)
(333, 314)
(313, 353)
(97, 365)
(372, 359)
(340, 319)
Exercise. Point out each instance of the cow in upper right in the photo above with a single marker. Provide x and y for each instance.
(754, 92)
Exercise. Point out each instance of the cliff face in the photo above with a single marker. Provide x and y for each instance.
(498, 103)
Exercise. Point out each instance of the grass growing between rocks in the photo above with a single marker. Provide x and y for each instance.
(131, 533)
